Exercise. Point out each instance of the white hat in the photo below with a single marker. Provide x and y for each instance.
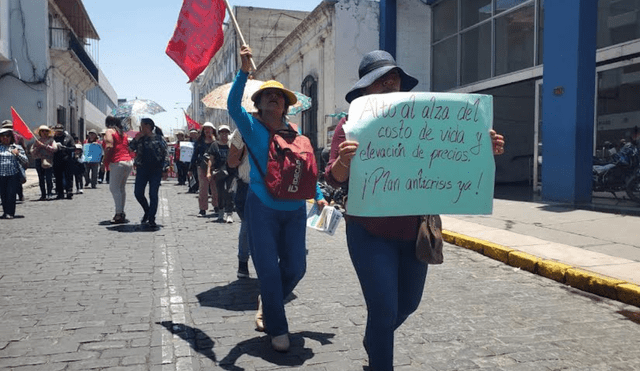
(224, 127)
(209, 125)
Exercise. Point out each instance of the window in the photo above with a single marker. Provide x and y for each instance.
(474, 40)
(476, 54)
(618, 110)
(445, 60)
(475, 11)
(310, 116)
(514, 40)
(62, 115)
(445, 19)
(618, 21)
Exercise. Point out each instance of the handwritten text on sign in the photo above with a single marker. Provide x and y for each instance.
(421, 153)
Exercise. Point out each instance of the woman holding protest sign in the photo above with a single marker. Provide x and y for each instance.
(278, 224)
(382, 249)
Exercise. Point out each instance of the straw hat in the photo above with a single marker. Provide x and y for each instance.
(273, 84)
(43, 127)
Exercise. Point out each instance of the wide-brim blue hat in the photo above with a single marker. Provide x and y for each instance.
(373, 66)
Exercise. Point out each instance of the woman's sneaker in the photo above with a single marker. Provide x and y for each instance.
(202, 213)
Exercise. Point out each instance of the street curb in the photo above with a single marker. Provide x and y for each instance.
(576, 277)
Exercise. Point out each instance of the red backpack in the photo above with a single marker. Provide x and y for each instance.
(292, 172)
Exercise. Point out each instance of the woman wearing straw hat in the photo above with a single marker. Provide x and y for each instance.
(277, 228)
(12, 157)
(42, 150)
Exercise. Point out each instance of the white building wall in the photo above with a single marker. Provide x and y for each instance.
(357, 32)
(263, 29)
(413, 41)
(5, 52)
(25, 74)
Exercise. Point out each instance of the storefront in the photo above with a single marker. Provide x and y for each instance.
(497, 47)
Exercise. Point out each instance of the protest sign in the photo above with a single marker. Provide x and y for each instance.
(421, 153)
(92, 152)
(325, 220)
(186, 151)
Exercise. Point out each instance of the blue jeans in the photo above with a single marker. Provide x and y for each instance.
(277, 242)
(243, 237)
(392, 281)
(153, 177)
(8, 191)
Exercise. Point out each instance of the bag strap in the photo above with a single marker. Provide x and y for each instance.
(271, 134)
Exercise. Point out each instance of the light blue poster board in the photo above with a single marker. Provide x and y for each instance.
(92, 152)
(421, 153)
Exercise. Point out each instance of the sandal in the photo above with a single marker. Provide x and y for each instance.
(118, 219)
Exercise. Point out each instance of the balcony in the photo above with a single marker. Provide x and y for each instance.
(64, 39)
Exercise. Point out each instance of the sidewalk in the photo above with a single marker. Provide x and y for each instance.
(593, 251)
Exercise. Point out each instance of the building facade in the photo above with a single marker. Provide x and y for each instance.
(47, 65)
(262, 29)
(320, 59)
(565, 77)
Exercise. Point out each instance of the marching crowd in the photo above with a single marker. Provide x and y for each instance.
(231, 172)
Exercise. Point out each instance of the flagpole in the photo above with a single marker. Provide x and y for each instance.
(237, 27)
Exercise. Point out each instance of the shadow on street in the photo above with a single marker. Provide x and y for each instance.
(260, 347)
(240, 295)
(197, 339)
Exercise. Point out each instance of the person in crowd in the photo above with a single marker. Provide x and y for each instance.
(181, 166)
(277, 228)
(202, 150)
(77, 166)
(238, 158)
(62, 169)
(42, 151)
(152, 166)
(92, 158)
(194, 184)
(102, 171)
(382, 249)
(19, 140)
(223, 176)
(12, 157)
(119, 162)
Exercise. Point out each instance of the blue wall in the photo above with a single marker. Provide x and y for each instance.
(388, 26)
(568, 99)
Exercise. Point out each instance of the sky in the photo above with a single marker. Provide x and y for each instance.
(131, 54)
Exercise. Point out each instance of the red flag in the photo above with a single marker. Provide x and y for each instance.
(198, 35)
(191, 123)
(19, 126)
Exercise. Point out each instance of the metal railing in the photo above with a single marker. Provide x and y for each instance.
(64, 39)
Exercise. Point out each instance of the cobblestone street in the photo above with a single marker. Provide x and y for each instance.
(78, 293)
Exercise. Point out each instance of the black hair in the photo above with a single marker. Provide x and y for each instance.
(114, 123)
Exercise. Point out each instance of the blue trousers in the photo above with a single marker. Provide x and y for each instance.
(392, 281)
(277, 242)
(8, 191)
(152, 177)
(243, 237)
